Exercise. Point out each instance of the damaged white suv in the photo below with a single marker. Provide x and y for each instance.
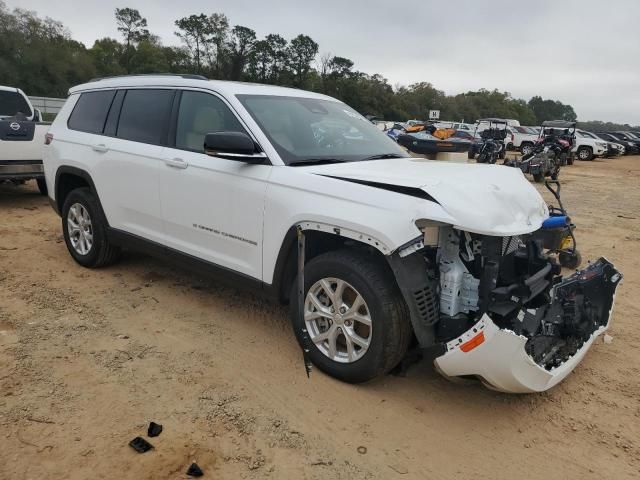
(263, 185)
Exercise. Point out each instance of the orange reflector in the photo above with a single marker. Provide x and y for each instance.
(473, 343)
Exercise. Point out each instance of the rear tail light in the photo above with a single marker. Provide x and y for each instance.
(48, 138)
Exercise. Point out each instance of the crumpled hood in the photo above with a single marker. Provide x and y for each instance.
(485, 199)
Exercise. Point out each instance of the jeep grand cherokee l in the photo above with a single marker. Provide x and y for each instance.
(235, 178)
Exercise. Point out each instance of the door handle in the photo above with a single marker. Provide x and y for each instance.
(100, 147)
(176, 163)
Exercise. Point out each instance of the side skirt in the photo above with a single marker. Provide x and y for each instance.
(216, 272)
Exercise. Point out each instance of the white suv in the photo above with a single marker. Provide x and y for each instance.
(588, 146)
(265, 185)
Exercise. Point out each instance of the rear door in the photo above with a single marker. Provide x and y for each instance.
(127, 178)
(212, 207)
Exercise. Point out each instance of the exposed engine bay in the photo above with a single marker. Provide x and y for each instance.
(510, 284)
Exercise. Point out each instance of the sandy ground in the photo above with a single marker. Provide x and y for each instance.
(89, 357)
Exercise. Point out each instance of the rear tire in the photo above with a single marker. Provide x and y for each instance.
(99, 252)
(42, 186)
(390, 329)
(538, 177)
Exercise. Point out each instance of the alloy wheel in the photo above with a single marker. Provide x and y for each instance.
(338, 320)
(80, 229)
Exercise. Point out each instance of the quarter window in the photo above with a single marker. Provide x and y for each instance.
(90, 112)
(201, 113)
(145, 116)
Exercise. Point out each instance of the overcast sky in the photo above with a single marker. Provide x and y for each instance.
(582, 52)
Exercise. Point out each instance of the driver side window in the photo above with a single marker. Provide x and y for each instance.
(201, 113)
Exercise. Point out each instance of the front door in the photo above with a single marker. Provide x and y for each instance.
(212, 207)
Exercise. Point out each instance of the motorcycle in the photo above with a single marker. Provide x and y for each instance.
(491, 145)
(552, 150)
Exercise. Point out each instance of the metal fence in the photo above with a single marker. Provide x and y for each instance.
(47, 104)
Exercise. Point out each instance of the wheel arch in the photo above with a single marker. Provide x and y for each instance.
(68, 179)
(319, 238)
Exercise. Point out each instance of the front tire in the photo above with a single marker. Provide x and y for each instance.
(526, 149)
(85, 230)
(585, 154)
(357, 321)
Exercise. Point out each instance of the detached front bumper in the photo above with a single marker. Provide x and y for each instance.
(581, 308)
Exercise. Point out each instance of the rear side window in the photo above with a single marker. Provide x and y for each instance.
(90, 112)
(12, 103)
(201, 113)
(144, 116)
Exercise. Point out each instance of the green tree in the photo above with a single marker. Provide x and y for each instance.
(301, 52)
(39, 55)
(196, 31)
(216, 45)
(106, 54)
(260, 61)
(240, 48)
(133, 28)
(551, 110)
(278, 49)
(149, 57)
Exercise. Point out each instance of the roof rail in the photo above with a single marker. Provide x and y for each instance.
(190, 76)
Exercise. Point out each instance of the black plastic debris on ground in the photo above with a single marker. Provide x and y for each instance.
(140, 445)
(194, 470)
(154, 430)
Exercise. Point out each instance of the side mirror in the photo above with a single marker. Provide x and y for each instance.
(233, 146)
(37, 115)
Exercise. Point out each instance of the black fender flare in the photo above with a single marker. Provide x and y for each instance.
(75, 171)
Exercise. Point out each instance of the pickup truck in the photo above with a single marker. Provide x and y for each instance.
(22, 138)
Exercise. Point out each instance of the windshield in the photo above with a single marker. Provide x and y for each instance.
(11, 103)
(305, 130)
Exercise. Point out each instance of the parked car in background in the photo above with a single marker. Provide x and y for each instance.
(371, 248)
(463, 134)
(625, 137)
(522, 139)
(633, 136)
(22, 138)
(613, 149)
(629, 148)
(588, 146)
(455, 125)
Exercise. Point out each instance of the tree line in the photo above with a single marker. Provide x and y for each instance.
(39, 56)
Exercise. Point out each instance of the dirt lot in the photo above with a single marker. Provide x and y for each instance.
(88, 357)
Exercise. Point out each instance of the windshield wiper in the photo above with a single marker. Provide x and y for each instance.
(316, 161)
(383, 156)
